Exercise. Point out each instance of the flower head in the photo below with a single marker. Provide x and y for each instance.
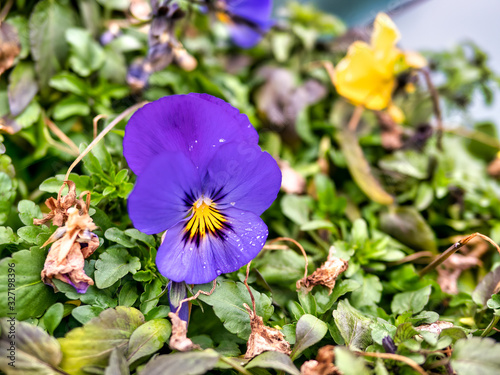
(367, 75)
(203, 178)
(248, 20)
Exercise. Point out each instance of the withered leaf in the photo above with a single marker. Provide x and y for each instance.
(263, 338)
(326, 275)
(292, 182)
(59, 207)
(450, 270)
(179, 340)
(323, 364)
(9, 46)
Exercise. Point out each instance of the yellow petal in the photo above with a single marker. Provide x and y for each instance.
(396, 113)
(385, 36)
(363, 80)
(415, 60)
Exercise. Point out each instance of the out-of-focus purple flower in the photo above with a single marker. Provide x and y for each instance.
(204, 179)
(248, 20)
(389, 345)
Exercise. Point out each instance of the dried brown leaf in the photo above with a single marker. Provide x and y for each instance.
(326, 275)
(179, 340)
(323, 365)
(435, 327)
(391, 132)
(9, 46)
(450, 270)
(59, 207)
(263, 338)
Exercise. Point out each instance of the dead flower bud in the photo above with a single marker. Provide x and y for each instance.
(435, 327)
(59, 207)
(263, 338)
(179, 340)
(292, 182)
(326, 275)
(323, 365)
(73, 243)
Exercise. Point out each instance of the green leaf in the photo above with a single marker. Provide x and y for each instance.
(296, 208)
(85, 313)
(404, 332)
(34, 351)
(32, 297)
(128, 294)
(86, 54)
(486, 288)
(309, 331)
(48, 23)
(28, 211)
(476, 356)
(348, 363)
(227, 301)
(118, 236)
(409, 227)
(117, 364)
(71, 106)
(360, 169)
(190, 363)
(67, 82)
(139, 236)
(275, 360)
(354, 327)
(114, 264)
(22, 87)
(115, 4)
(7, 235)
(281, 267)
(148, 300)
(411, 301)
(92, 344)
(369, 293)
(148, 339)
(325, 301)
(53, 317)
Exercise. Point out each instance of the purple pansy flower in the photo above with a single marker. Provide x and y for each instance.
(248, 20)
(202, 178)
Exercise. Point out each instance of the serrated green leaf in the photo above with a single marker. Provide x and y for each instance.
(404, 332)
(118, 236)
(32, 296)
(92, 344)
(114, 264)
(28, 211)
(369, 293)
(227, 301)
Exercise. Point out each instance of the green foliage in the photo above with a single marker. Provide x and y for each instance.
(386, 212)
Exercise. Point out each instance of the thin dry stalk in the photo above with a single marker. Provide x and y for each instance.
(111, 125)
(396, 357)
(60, 134)
(453, 249)
(196, 296)
(95, 121)
(298, 245)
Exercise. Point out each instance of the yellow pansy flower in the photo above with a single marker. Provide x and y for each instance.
(367, 74)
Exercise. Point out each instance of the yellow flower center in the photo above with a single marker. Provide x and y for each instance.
(205, 218)
(223, 17)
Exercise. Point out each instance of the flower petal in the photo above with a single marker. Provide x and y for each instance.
(181, 261)
(158, 199)
(244, 176)
(363, 80)
(195, 124)
(385, 34)
(176, 293)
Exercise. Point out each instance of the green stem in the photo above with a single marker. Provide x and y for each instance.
(235, 365)
(492, 324)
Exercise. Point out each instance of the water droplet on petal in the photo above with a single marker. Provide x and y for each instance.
(222, 140)
(218, 272)
(232, 203)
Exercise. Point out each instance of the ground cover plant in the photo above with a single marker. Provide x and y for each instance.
(191, 187)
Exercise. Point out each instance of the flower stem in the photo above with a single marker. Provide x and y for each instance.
(355, 117)
(492, 324)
